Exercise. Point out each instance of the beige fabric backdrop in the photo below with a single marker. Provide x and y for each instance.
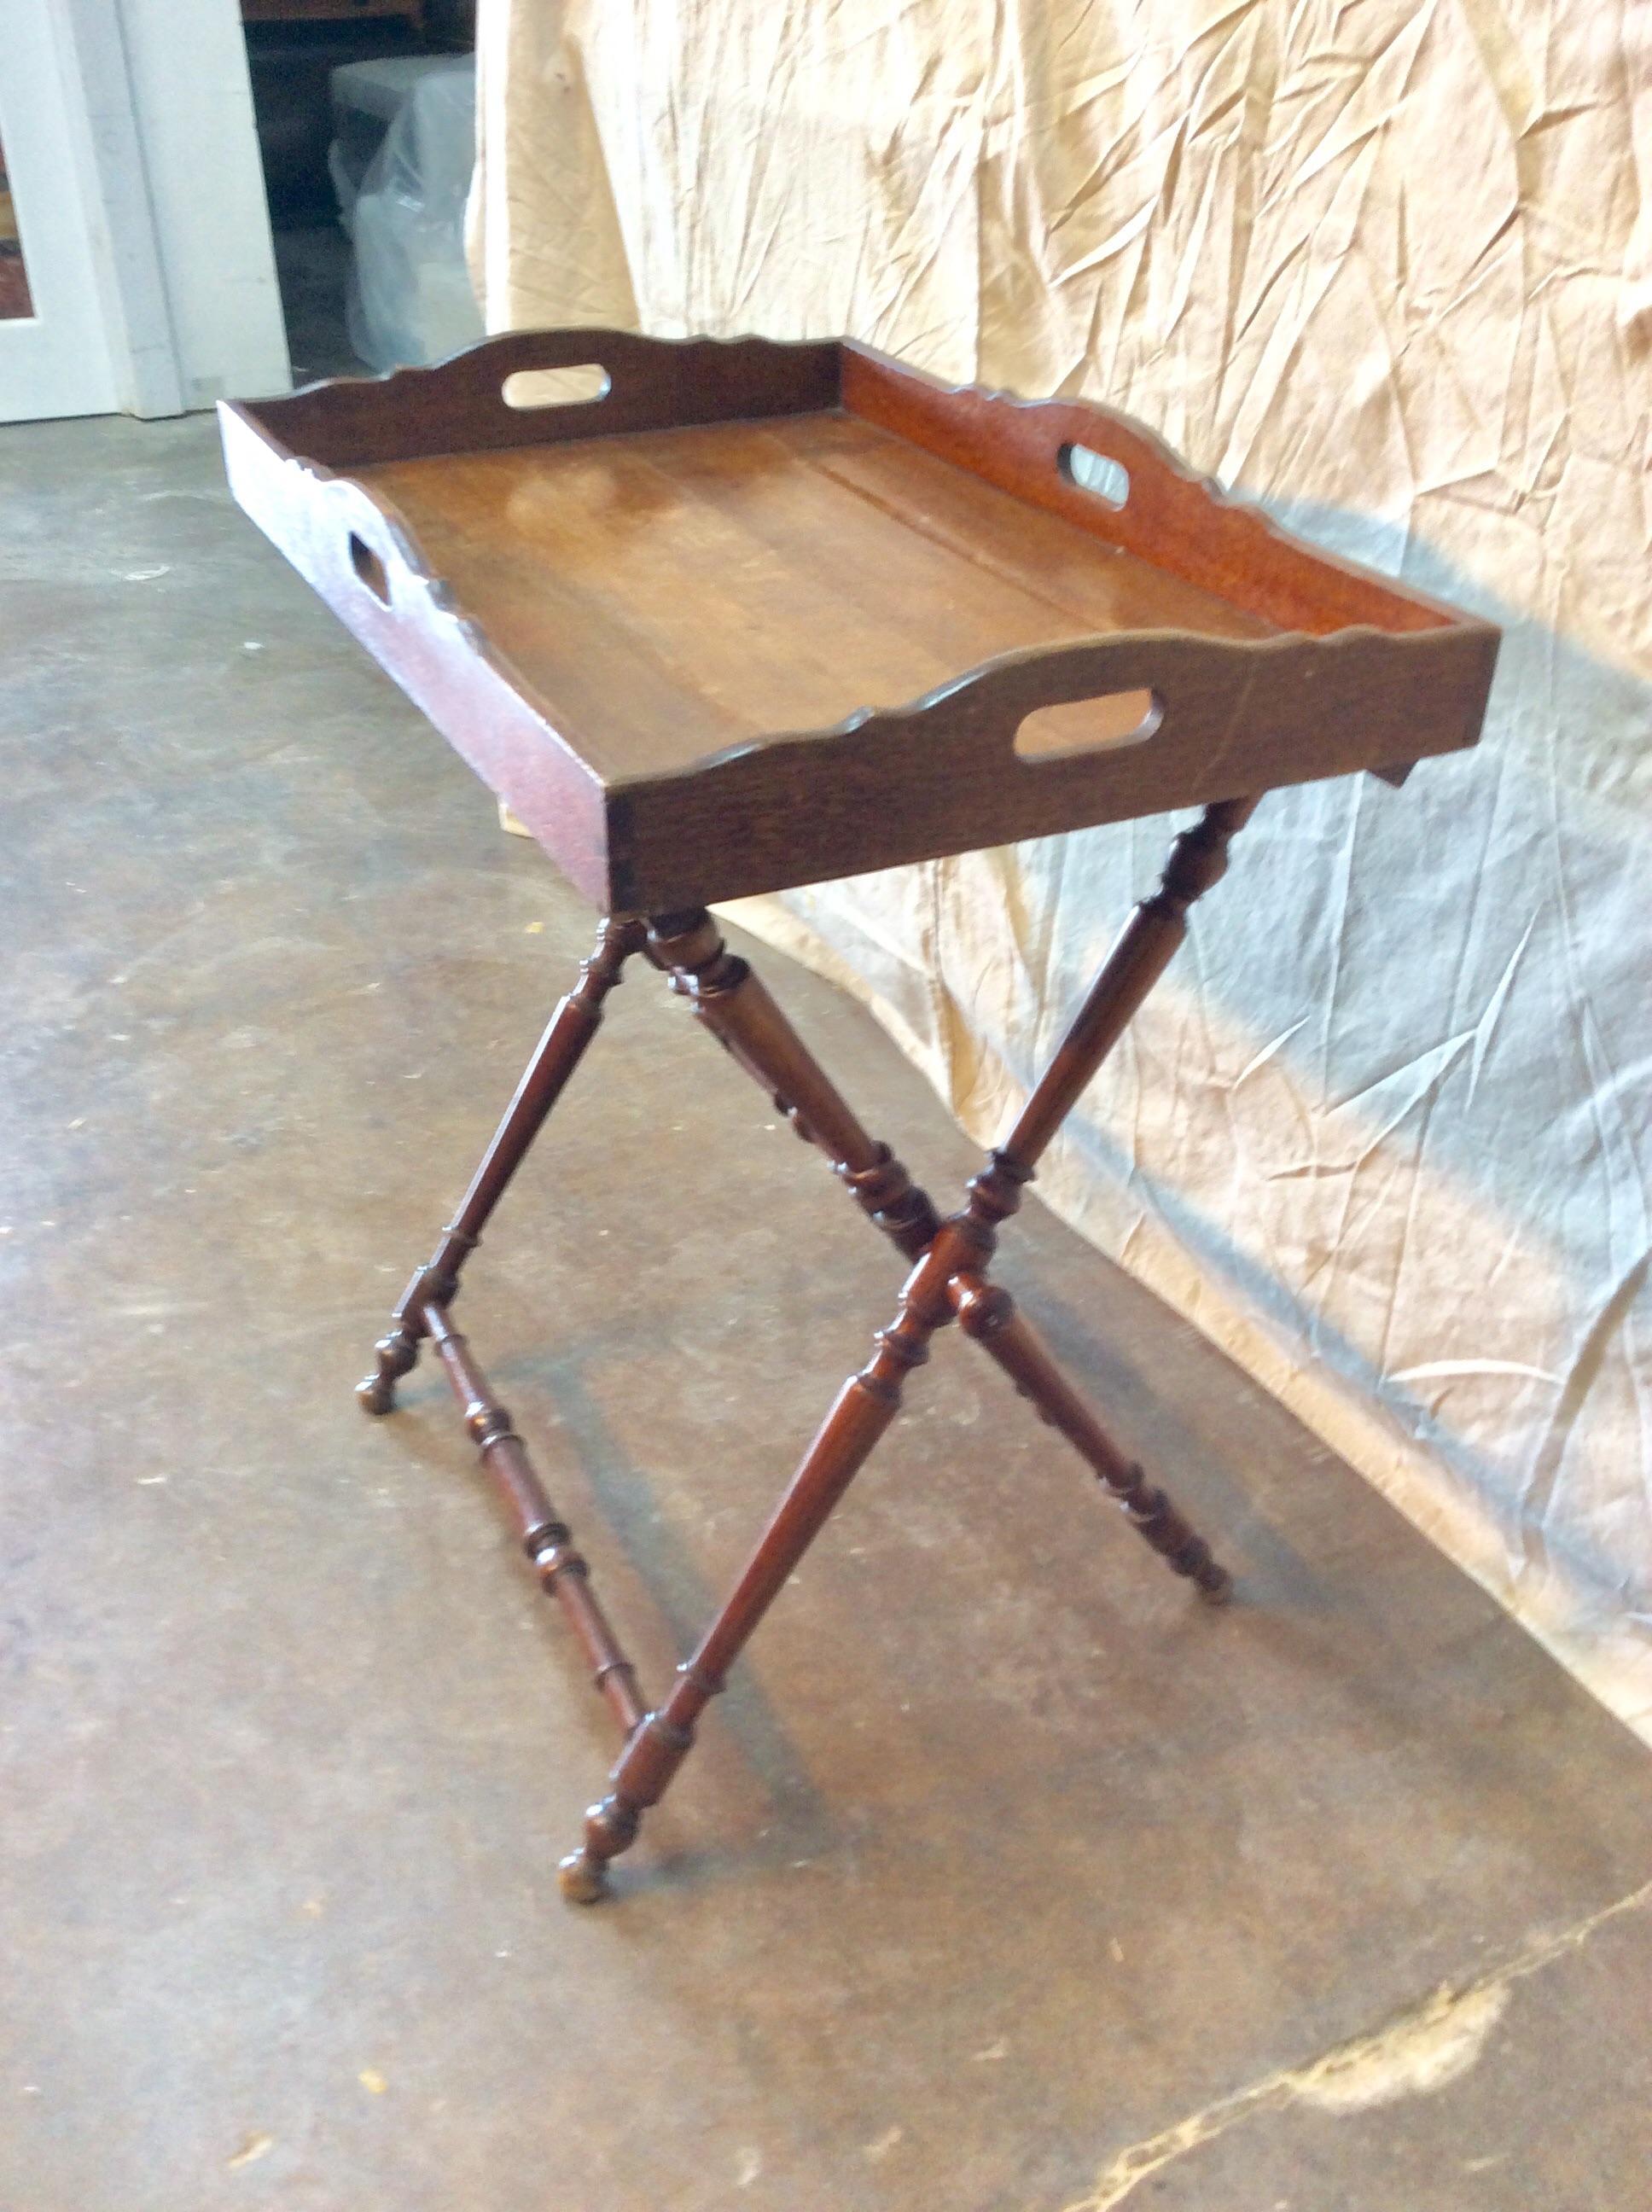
(1384, 1133)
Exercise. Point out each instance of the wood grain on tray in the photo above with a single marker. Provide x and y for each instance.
(764, 614)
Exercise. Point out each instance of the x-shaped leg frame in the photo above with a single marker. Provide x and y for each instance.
(949, 1281)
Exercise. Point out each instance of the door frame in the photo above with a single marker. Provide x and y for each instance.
(149, 235)
(149, 371)
(64, 358)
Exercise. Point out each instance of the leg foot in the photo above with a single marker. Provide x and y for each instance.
(609, 1829)
(1183, 1550)
(581, 1878)
(394, 1356)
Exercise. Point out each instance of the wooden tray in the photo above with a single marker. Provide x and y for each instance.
(762, 614)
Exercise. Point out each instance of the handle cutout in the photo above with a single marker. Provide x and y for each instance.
(1090, 725)
(556, 387)
(370, 569)
(1108, 480)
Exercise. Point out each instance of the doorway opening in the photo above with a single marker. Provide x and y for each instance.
(366, 121)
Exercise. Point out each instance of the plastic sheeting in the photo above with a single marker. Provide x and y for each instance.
(411, 297)
(1384, 1133)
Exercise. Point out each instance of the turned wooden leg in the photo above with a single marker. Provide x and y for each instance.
(987, 1313)
(736, 1007)
(560, 1050)
(863, 1410)
(1198, 860)
(949, 1277)
(548, 1541)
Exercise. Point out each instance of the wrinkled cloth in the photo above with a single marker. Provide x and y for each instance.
(1384, 1133)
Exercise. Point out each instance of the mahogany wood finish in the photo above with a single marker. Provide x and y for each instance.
(737, 1008)
(864, 1409)
(1176, 521)
(559, 1052)
(762, 614)
(548, 1541)
(767, 613)
(1198, 861)
(949, 1281)
(987, 1313)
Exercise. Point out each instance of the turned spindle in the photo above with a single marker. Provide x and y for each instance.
(987, 1313)
(559, 1052)
(737, 1008)
(862, 1410)
(546, 1538)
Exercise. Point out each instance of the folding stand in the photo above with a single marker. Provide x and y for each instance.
(949, 1281)
(648, 620)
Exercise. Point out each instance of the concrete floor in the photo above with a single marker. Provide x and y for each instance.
(1006, 1878)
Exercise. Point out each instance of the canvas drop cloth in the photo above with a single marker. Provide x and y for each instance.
(1384, 1131)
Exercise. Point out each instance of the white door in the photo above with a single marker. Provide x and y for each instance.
(135, 266)
(55, 353)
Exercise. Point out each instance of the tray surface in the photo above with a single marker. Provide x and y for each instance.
(758, 614)
(676, 592)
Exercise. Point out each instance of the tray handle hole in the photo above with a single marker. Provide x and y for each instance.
(1090, 726)
(370, 569)
(1109, 481)
(556, 387)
